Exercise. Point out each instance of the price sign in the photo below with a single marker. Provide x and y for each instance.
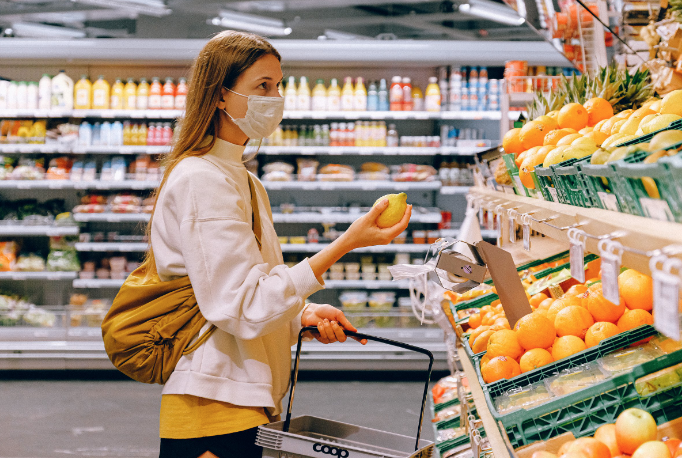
(491, 220)
(666, 295)
(498, 219)
(576, 237)
(610, 253)
(609, 201)
(656, 209)
(526, 237)
(480, 215)
(512, 226)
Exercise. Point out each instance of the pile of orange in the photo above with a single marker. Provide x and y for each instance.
(558, 328)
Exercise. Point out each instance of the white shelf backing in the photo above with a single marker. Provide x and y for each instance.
(112, 246)
(27, 230)
(21, 276)
(352, 185)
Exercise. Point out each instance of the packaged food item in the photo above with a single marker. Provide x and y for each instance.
(63, 256)
(353, 300)
(523, 398)
(336, 172)
(432, 236)
(44, 92)
(278, 171)
(352, 276)
(659, 381)
(623, 360)
(447, 434)
(401, 239)
(413, 172)
(59, 169)
(374, 171)
(448, 413)
(334, 96)
(125, 203)
(29, 263)
(419, 237)
(352, 267)
(297, 240)
(307, 169)
(575, 379)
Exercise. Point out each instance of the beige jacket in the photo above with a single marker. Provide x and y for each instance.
(202, 228)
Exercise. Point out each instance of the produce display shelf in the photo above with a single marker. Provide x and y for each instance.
(329, 284)
(358, 185)
(19, 276)
(294, 218)
(452, 190)
(633, 231)
(24, 230)
(174, 114)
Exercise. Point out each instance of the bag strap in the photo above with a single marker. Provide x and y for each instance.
(255, 214)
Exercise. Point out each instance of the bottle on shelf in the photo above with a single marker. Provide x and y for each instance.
(382, 96)
(464, 96)
(396, 94)
(85, 134)
(303, 95)
(391, 136)
(12, 95)
(142, 96)
(127, 131)
(45, 92)
(334, 96)
(455, 90)
(130, 95)
(443, 86)
(290, 95)
(151, 134)
(347, 95)
(32, 95)
(62, 91)
(181, 94)
(117, 95)
(417, 99)
(4, 84)
(100, 94)
(116, 133)
(167, 134)
(96, 131)
(319, 96)
(155, 93)
(83, 98)
(168, 94)
(372, 97)
(407, 94)
(432, 99)
(360, 96)
(105, 134)
(142, 135)
(22, 95)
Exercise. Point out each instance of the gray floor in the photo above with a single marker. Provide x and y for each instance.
(45, 419)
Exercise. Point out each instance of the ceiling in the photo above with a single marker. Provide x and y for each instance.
(306, 19)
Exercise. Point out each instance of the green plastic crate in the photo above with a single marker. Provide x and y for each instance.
(531, 264)
(666, 208)
(568, 177)
(513, 171)
(544, 177)
(675, 125)
(582, 412)
(606, 346)
(456, 442)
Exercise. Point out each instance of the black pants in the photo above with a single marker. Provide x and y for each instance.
(236, 445)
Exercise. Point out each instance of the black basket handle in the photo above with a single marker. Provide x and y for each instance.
(394, 343)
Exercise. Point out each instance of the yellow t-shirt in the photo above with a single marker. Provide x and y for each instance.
(186, 417)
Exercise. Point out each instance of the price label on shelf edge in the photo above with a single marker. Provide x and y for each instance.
(666, 304)
(526, 237)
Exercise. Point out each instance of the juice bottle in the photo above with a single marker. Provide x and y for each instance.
(142, 134)
(372, 97)
(360, 99)
(117, 95)
(127, 140)
(168, 95)
(181, 94)
(417, 99)
(100, 94)
(432, 98)
(130, 95)
(134, 133)
(62, 91)
(319, 96)
(167, 134)
(303, 95)
(396, 94)
(45, 92)
(334, 96)
(83, 96)
(142, 96)
(290, 94)
(155, 92)
(383, 96)
(407, 94)
(347, 94)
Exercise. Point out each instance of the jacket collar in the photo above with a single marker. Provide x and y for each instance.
(227, 152)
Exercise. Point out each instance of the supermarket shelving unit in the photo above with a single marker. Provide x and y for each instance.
(46, 348)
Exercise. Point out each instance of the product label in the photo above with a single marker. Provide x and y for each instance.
(142, 102)
(360, 102)
(82, 97)
(553, 193)
(432, 103)
(115, 102)
(319, 103)
(656, 209)
(155, 102)
(347, 102)
(334, 103)
(526, 237)
(609, 201)
(167, 102)
(99, 98)
(290, 102)
(130, 102)
(610, 268)
(180, 102)
(666, 304)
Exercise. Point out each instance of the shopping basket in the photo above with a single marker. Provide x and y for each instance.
(309, 436)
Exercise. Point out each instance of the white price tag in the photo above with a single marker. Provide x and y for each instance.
(526, 237)
(512, 230)
(498, 221)
(491, 220)
(610, 268)
(656, 209)
(480, 216)
(666, 304)
(610, 201)
(553, 193)
(576, 238)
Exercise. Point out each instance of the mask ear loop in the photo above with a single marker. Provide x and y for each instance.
(247, 157)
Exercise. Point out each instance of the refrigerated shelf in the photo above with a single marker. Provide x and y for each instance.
(27, 230)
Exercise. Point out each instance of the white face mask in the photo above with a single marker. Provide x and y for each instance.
(263, 115)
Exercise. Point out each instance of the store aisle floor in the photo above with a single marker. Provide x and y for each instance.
(46, 419)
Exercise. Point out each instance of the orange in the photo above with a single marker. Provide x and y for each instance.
(512, 142)
(593, 269)
(484, 360)
(475, 320)
(636, 289)
(600, 331)
(528, 153)
(560, 304)
(477, 332)
(537, 299)
(546, 304)
(504, 343)
(529, 163)
(564, 448)
(553, 137)
(567, 346)
(632, 319)
(542, 312)
(532, 359)
(500, 367)
(606, 434)
(502, 323)
(549, 122)
(573, 321)
(590, 447)
(481, 342)
(574, 116)
(575, 290)
(534, 331)
(598, 137)
(598, 109)
(533, 134)
(602, 309)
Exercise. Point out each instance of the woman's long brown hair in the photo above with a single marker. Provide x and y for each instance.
(222, 60)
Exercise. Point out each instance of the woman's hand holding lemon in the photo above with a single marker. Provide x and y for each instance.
(387, 219)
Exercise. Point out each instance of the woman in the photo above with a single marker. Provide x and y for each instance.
(212, 221)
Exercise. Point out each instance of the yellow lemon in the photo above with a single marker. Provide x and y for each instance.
(397, 204)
